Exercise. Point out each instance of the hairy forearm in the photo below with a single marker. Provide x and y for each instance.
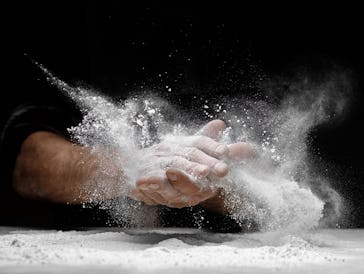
(52, 168)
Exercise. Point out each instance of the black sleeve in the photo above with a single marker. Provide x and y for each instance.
(24, 120)
(31, 105)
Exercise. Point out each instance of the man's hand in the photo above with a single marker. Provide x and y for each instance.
(178, 173)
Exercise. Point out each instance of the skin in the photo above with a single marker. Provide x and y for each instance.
(52, 168)
(175, 187)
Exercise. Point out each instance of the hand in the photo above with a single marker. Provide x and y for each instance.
(176, 173)
(170, 170)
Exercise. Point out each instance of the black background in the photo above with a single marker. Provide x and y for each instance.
(117, 47)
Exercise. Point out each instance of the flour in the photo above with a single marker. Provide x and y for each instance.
(163, 249)
(277, 189)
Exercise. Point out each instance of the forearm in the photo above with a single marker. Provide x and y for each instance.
(52, 168)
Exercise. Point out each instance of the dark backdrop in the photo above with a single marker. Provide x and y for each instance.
(193, 48)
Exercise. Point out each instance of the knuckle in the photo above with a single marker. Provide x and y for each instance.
(214, 162)
(220, 122)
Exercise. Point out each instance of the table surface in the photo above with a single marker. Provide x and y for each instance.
(107, 250)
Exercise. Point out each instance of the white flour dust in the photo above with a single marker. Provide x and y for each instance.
(179, 251)
(277, 190)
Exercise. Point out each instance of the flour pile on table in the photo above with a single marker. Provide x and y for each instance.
(180, 251)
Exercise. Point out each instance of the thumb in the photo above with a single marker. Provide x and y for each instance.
(213, 129)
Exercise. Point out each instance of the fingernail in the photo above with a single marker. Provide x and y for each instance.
(221, 168)
(172, 177)
(222, 150)
(149, 187)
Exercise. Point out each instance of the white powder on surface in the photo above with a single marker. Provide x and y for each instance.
(170, 250)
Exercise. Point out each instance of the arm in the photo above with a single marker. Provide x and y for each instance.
(52, 168)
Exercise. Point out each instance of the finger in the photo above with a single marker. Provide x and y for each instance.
(213, 129)
(186, 184)
(240, 151)
(179, 204)
(155, 197)
(151, 186)
(184, 201)
(138, 195)
(182, 182)
(167, 195)
(210, 146)
(199, 170)
(176, 201)
(156, 181)
(217, 167)
(149, 201)
(164, 195)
